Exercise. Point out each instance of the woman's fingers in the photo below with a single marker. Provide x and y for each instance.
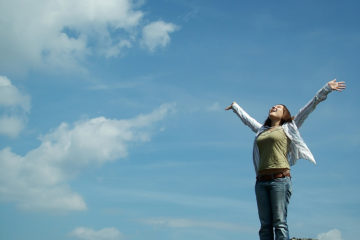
(340, 86)
(229, 107)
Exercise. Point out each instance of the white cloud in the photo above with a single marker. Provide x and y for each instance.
(190, 223)
(103, 234)
(52, 33)
(183, 199)
(333, 234)
(11, 126)
(215, 107)
(10, 96)
(39, 180)
(14, 106)
(156, 34)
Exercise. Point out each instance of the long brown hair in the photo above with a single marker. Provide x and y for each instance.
(285, 118)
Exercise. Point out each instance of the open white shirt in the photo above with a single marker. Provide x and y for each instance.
(297, 149)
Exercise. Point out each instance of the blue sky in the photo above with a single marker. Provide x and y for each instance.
(112, 121)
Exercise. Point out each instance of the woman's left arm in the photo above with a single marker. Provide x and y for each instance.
(320, 96)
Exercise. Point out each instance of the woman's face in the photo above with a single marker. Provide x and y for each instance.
(276, 112)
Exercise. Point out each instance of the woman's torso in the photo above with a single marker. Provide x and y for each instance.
(273, 148)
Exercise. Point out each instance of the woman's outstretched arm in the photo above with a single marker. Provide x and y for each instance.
(245, 118)
(320, 96)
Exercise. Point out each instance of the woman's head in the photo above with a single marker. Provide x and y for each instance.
(277, 113)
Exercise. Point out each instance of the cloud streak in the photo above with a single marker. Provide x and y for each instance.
(103, 234)
(182, 199)
(39, 180)
(190, 223)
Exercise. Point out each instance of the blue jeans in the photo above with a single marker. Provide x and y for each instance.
(272, 199)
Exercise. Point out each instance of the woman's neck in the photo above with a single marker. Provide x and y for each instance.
(275, 123)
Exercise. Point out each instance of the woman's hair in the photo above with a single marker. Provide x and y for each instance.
(285, 118)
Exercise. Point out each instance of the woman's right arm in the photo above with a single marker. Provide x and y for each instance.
(245, 118)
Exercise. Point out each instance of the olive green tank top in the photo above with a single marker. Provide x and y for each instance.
(273, 148)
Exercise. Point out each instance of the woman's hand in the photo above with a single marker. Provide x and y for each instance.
(230, 107)
(337, 86)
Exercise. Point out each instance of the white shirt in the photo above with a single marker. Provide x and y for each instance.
(297, 149)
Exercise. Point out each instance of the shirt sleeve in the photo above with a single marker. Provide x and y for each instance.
(246, 118)
(304, 112)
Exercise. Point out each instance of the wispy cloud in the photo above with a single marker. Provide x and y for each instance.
(333, 234)
(215, 107)
(156, 34)
(191, 223)
(15, 107)
(103, 234)
(183, 199)
(39, 179)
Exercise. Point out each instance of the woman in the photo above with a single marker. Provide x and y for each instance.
(277, 146)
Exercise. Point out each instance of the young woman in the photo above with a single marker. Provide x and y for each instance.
(277, 146)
